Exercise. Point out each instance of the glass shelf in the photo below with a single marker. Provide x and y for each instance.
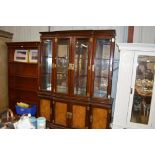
(101, 65)
(46, 75)
(80, 66)
(62, 62)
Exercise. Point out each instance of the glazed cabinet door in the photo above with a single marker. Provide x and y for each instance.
(79, 119)
(81, 63)
(46, 65)
(102, 67)
(99, 118)
(142, 98)
(62, 65)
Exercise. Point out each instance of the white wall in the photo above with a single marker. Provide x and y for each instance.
(144, 34)
(25, 33)
(31, 33)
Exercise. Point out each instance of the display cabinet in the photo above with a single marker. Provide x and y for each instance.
(22, 73)
(75, 76)
(135, 98)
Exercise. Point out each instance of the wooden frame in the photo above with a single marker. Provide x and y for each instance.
(130, 34)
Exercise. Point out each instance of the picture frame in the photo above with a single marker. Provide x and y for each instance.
(33, 56)
(21, 55)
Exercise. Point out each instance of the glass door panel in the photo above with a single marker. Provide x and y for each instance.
(46, 83)
(143, 89)
(46, 74)
(80, 66)
(101, 65)
(62, 63)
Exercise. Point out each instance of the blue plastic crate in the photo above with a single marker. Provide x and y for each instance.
(32, 110)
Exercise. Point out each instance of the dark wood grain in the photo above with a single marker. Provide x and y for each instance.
(78, 106)
(130, 34)
(22, 77)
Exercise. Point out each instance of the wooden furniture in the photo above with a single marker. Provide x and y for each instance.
(75, 77)
(134, 106)
(4, 37)
(22, 76)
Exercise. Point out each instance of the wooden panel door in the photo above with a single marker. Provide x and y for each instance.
(60, 113)
(99, 118)
(45, 108)
(79, 116)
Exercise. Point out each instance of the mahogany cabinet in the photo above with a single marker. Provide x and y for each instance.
(22, 76)
(75, 77)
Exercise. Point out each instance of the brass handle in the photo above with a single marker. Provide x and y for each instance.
(88, 108)
(69, 115)
(92, 68)
(71, 66)
(53, 65)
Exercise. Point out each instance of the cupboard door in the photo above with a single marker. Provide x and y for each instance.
(81, 62)
(142, 98)
(99, 118)
(62, 62)
(60, 113)
(78, 116)
(45, 109)
(101, 67)
(46, 66)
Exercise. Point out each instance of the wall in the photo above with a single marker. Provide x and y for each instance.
(25, 33)
(31, 33)
(144, 34)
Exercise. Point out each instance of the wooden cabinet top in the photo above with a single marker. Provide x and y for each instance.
(23, 44)
(108, 33)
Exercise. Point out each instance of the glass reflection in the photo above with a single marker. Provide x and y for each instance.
(143, 89)
(80, 66)
(101, 63)
(46, 66)
(62, 65)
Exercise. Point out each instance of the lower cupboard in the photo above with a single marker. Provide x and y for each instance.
(45, 109)
(74, 115)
